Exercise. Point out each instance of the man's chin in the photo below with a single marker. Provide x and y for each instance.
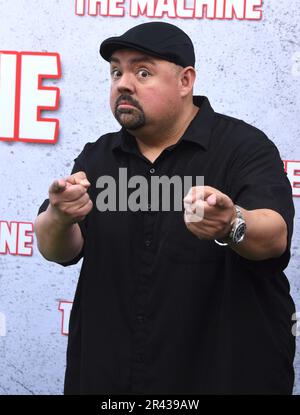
(130, 122)
(131, 127)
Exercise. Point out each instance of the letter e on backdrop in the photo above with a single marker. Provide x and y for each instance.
(23, 96)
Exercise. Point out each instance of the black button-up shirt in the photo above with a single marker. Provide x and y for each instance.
(158, 310)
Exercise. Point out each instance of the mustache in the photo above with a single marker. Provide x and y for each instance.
(129, 99)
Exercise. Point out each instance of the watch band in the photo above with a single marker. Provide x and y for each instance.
(221, 243)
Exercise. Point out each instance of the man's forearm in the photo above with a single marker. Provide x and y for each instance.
(266, 235)
(57, 242)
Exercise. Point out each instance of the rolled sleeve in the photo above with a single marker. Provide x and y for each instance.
(260, 182)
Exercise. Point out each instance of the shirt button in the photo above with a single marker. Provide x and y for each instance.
(152, 171)
(147, 243)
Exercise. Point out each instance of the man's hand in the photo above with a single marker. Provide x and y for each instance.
(208, 212)
(69, 200)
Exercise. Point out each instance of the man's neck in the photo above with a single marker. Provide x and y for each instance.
(152, 143)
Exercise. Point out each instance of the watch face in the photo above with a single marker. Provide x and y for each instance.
(239, 233)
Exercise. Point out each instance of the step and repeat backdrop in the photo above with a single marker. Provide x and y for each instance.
(54, 97)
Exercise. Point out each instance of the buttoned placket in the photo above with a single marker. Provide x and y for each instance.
(145, 259)
(147, 252)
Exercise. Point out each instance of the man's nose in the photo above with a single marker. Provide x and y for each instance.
(126, 83)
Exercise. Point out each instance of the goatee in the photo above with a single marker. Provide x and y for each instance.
(129, 118)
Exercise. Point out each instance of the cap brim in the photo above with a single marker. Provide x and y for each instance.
(109, 46)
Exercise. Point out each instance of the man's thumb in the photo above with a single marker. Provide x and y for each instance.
(212, 199)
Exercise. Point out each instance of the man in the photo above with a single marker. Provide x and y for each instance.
(161, 306)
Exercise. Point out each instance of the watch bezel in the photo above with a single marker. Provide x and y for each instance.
(239, 225)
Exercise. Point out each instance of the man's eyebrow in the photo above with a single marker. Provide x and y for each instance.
(144, 58)
(113, 59)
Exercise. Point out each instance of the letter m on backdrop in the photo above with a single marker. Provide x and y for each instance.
(23, 96)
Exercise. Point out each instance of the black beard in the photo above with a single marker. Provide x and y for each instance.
(136, 116)
(134, 120)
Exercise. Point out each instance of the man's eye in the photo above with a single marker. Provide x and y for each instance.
(115, 73)
(143, 73)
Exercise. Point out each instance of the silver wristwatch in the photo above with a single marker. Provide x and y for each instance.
(238, 229)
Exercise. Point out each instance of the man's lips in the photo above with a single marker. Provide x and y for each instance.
(126, 104)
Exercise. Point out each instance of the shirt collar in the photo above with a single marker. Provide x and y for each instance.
(200, 128)
(198, 131)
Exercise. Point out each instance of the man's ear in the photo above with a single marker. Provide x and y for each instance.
(187, 80)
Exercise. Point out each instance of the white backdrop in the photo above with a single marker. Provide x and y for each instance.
(249, 69)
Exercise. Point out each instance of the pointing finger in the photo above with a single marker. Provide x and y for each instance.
(195, 193)
(57, 186)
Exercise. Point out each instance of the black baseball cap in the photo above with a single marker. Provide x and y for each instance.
(159, 39)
